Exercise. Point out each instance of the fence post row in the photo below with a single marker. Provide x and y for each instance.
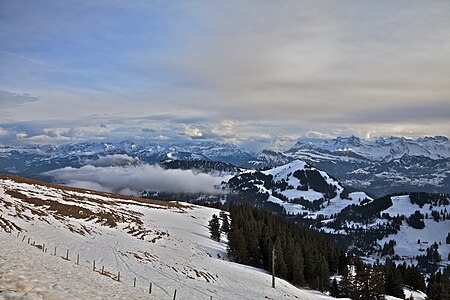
(150, 287)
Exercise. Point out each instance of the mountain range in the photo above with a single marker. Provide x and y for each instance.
(377, 166)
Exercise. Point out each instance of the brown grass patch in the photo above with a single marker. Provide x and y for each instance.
(169, 204)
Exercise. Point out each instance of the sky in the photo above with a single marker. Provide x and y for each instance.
(254, 73)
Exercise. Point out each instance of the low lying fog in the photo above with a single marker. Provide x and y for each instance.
(131, 179)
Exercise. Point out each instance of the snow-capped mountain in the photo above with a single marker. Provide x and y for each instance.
(384, 165)
(66, 243)
(380, 149)
(268, 158)
(379, 166)
(33, 160)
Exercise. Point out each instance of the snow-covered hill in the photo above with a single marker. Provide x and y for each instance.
(163, 243)
(418, 222)
(379, 166)
(297, 188)
(411, 228)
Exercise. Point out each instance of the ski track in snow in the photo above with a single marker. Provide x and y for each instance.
(175, 253)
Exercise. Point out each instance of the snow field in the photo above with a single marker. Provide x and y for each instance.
(175, 253)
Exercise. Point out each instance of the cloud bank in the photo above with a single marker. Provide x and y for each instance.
(236, 71)
(133, 179)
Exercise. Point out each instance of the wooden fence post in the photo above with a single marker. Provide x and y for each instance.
(18, 232)
(55, 251)
(134, 282)
(150, 288)
(103, 270)
(67, 254)
(175, 295)
(93, 268)
(23, 238)
(28, 241)
(78, 259)
(43, 247)
(118, 276)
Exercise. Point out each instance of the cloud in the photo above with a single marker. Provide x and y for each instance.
(8, 99)
(218, 70)
(133, 179)
(193, 132)
(113, 160)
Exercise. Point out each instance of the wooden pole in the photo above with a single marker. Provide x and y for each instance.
(150, 288)
(18, 232)
(175, 295)
(118, 276)
(273, 266)
(103, 270)
(55, 251)
(43, 247)
(78, 259)
(23, 238)
(28, 241)
(67, 254)
(134, 282)
(93, 268)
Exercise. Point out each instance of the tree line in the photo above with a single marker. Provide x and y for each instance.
(307, 258)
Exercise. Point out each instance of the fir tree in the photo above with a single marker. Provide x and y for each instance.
(225, 228)
(280, 265)
(394, 282)
(334, 290)
(214, 228)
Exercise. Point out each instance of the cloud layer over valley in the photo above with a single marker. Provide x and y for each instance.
(136, 178)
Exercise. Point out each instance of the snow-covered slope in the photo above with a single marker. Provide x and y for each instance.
(268, 158)
(298, 188)
(416, 225)
(163, 243)
(32, 160)
(383, 165)
(380, 149)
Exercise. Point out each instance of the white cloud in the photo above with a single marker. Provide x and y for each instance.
(193, 132)
(357, 67)
(137, 178)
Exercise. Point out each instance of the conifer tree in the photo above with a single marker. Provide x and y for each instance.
(214, 228)
(225, 228)
(280, 265)
(334, 290)
(346, 285)
(394, 281)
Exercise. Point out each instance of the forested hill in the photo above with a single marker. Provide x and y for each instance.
(406, 227)
(308, 258)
